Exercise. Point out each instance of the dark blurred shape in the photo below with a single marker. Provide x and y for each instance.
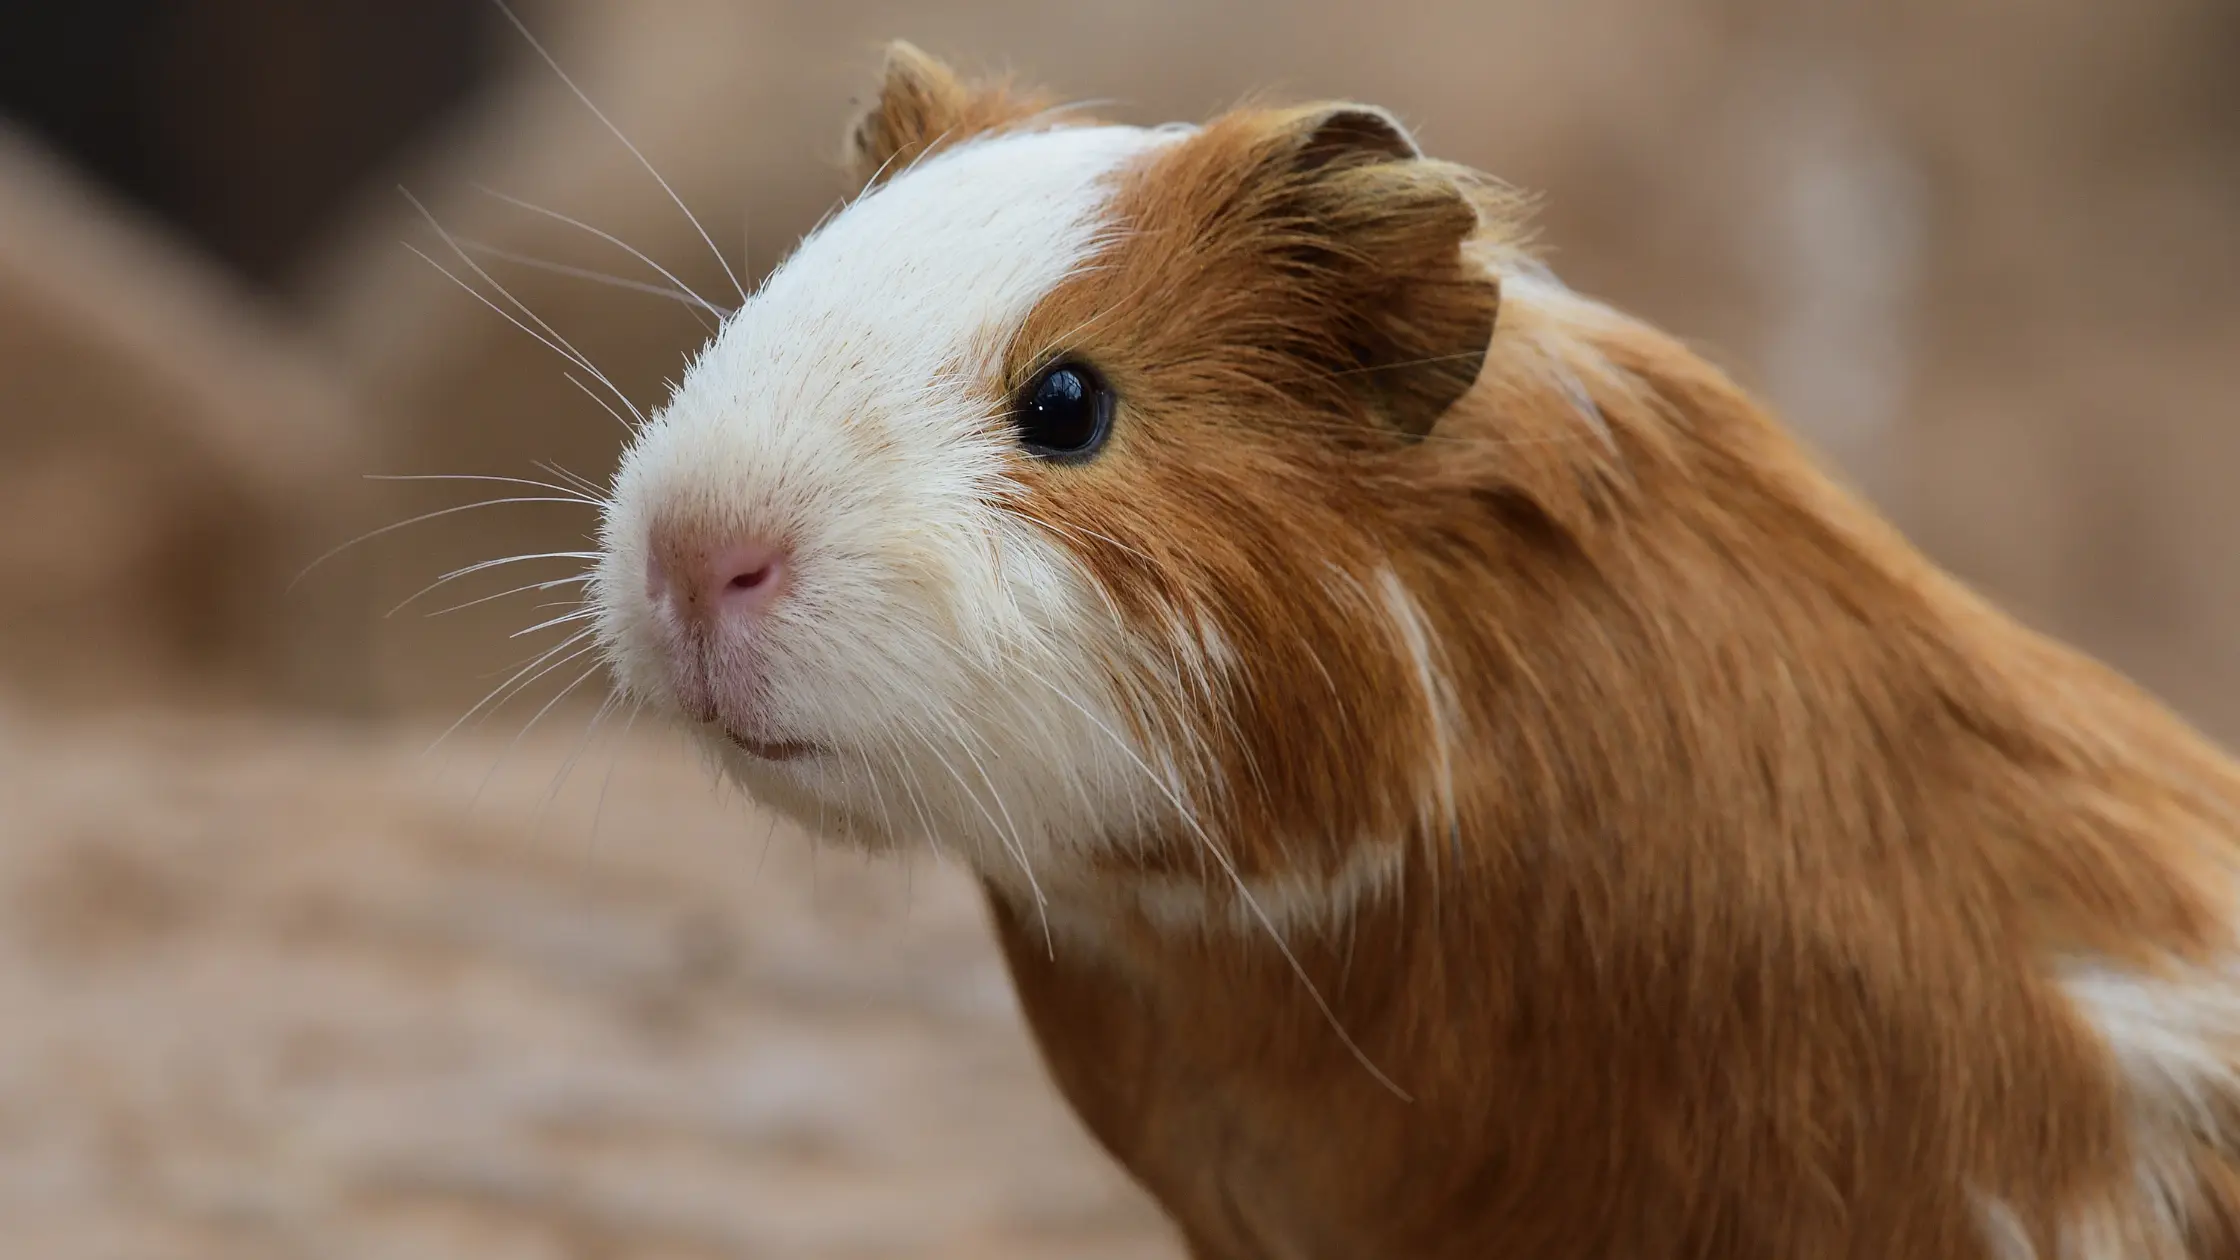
(171, 456)
(245, 124)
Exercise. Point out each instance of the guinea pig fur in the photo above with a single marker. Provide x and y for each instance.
(1451, 777)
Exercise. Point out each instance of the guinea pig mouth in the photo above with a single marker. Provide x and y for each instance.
(771, 750)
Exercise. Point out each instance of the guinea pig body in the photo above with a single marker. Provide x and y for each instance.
(1452, 778)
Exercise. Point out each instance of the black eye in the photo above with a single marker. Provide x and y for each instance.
(1064, 412)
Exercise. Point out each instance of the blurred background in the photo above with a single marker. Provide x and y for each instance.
(278, 978)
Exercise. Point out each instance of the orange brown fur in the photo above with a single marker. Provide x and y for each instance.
(1729, 886)
(923, 106)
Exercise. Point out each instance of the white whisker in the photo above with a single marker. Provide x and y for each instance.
(518, 25)
(1010, 843)
(878, 794)
(914, 788)
(512, 689)
(668, 293)
(574, 380)
(568, 766)
(580, 614)
(574, 579)
(570, 355)
(1243, 890)
(370, 535)
(1018, 843)
(480, 566)
(1087, 532)
(684, 291)
(548, 654)
(515, 742)
(511, 481)
(557, 341)
(1040, 721)
(580, 482)
(599, 809)
(769, 836)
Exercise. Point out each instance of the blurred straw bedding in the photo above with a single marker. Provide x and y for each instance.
(276, 982)
(282, 991)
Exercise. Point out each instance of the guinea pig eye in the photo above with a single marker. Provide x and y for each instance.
(1064, 412)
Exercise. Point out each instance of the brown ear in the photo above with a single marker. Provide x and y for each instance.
(1340, 135)
(923, 105)
(1376, 232)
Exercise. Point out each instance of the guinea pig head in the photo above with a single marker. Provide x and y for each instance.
(1038, 506)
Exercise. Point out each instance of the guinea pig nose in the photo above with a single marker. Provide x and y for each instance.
(733, 580)
(747, 573)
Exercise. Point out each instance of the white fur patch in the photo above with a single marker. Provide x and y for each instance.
(1436, 814)
(2103, 1229)
(1388, 598)
(2004, 1232)
(945, 651)
(2176, 1043)
(1548, 323)
(1291, 902)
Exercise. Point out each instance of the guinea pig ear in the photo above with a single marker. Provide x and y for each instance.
(1407, 313)
(1338, 135)
(922, 105)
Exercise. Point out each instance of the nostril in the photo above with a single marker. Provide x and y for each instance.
(747, 576)
(694, 580)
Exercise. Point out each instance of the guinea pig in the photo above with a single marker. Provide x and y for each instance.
(1451, 776)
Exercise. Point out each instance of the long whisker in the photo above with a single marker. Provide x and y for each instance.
(481, 565)
(566, 603)
(1229, 867)
(667, 292)
(587, 485)
(1010, 843)
(511, 481)
(370, 535)
(578, 383)
(878, 793)
(1065, 342)
(769, 837)
(518, 25)
(574, 579)
(611, 239)
(1011, 846)
(590, 728)
(483, 703)
(1042, 729)
(913, 788)
(1084, 531)
(582, 360)
(599, 809)
(580, 614)
(1018, 842)
(883, 165)
(515, 742)
(569, 354)
(518, 689)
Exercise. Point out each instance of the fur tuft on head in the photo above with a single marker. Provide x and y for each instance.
(921, 105)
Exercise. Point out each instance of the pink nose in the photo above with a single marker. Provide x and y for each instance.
(738, 581)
